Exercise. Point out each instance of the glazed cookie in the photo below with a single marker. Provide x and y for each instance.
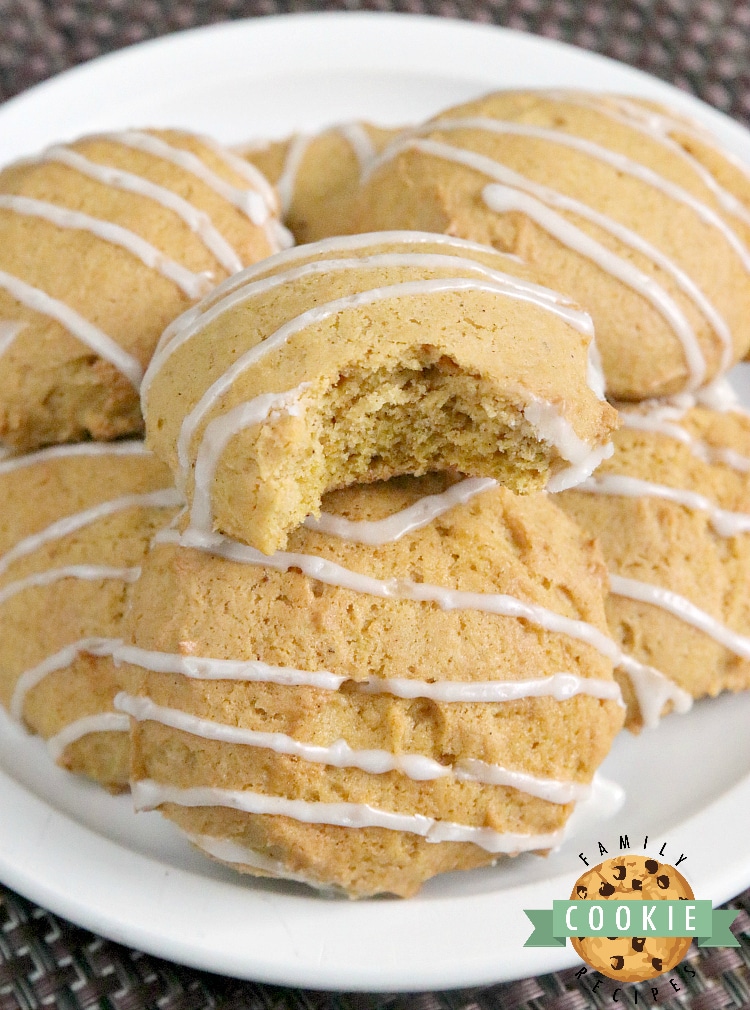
(102, 243)
(66, 565)
(671, 510)
(612, 212)
(317, 174)
(333, 713)
(623, 878)
(357, 359)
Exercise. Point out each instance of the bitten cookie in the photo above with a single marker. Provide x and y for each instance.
(75, 524)
(102, 243)
(636, 958)
(418, 689)
(317, 174)
(357, 359)
(671, 510)
(607, 207)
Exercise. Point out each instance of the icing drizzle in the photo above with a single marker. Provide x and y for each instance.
(192, 284)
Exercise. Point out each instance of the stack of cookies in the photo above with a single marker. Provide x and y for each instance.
(346, 617)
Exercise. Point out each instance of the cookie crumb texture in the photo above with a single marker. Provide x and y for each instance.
(623, 878)
(351, 365)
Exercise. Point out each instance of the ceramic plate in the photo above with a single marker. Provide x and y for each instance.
(84, 854)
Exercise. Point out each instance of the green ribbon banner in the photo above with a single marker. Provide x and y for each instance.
(610, 918)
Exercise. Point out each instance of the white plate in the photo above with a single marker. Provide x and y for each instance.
(84, 854)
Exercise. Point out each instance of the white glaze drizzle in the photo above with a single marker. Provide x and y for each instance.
(252, 203)
(605, 797)
(560, 434)
(514, 192)
(560, 686)
(662, 420)
(59, 660)
(131, 447)
(192, 284)
(653, 690)
(164, 498)
(148, 794)
(9, 330)
(353, 133)
(359, 140)
(266, 408)
(407, 520)
(77, 326)
(102, 722)
(684, 610)
(725, 523)
(241, 291)
(227, 851)
(248, 171)
(620, 162)
(680, 123)
(336, 244)
(653, 125)
(331, 573)
(295, 153)
(339, 754)
(646, 679)
(197, 220)
(89, 573)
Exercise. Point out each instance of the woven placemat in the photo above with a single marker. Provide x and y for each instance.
(702, 46)
(47, 962)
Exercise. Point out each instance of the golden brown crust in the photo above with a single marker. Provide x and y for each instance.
(671, 545)
(641, 354)
(192, 603)
(39, 620)
(54, 388)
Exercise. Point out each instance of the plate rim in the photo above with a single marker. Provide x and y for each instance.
(15, 866)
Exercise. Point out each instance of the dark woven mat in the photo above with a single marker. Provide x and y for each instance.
(46, 962)
(700, 45)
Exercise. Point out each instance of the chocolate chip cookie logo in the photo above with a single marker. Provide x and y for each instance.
(631, 918)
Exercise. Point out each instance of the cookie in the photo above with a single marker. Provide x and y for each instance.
(610, 210)
(317, 174)
(671, 510)
(368, 710)
(102, 243)
(66, 566)
(359, 359)
(623, 878)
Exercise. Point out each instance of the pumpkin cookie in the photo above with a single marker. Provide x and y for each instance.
(671, 510)
(609, 210)
(102, 243)
(357, 359)
(317, 174)
(369, 709)
(66, 566)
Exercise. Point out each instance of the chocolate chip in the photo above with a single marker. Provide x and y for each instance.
(663, 881)
(613, 938)
(637, 943)
(637, 884)
(606, 889)
(617, 961)
(651, 866)
(620, 872)
(656, 962)
(582, 891)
